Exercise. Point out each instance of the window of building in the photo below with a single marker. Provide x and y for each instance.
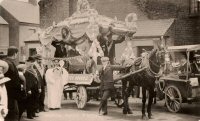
(194, 6)
(32, 51)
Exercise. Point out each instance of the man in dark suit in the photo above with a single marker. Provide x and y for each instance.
(13, 86)
(111, 45)
(31, 88)
(107, 43)
(107, 83)
(40, 70)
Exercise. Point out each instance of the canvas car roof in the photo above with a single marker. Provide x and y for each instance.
(184, 48)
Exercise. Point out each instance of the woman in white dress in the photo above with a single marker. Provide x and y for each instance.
(56, 78)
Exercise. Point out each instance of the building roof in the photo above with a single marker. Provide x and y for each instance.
(153, 28)
(2, 21)
(22, 11)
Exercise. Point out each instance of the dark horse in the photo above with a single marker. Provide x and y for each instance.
(142, 73)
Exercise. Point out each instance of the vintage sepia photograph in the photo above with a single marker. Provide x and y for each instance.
(99, 60)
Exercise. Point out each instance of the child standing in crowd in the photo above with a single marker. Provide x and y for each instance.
(21, 103)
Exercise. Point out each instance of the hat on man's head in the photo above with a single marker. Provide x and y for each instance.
(37, 57)
(2, 55)
(104, 59)
(30, 59)
(21, 67)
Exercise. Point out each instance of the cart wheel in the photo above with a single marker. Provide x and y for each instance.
(81, 97)
(119, 100)
(173, 98)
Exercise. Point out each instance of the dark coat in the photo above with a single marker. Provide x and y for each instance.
(61, 51)
(108, 46)
(32, 102)
(194, 68)
(102, 42)
(31, 81)
(41, 80)
(111, 47)
(106, 76)
(13, 88)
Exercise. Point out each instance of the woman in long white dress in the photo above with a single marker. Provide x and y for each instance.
(56, 78)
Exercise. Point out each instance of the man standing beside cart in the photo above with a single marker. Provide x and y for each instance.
(107, 83)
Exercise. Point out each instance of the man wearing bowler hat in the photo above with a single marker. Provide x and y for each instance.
(32, 88)
(40, 70)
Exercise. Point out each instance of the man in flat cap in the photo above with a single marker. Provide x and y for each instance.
(107, 83)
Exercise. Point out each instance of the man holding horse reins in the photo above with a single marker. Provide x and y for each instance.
(107, 83)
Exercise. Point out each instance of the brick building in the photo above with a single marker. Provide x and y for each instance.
(170, 21)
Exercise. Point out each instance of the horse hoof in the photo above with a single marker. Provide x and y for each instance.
(150, 116)
(144, 117)
(130, 112)
(125, 112)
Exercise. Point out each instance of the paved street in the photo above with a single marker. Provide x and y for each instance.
(69, 112)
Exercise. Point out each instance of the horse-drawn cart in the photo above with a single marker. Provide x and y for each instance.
(80, 31)
(180, 83)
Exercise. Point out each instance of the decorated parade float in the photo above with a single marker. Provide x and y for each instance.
(81, 31)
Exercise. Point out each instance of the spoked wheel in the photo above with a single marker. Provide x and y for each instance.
(173, 98)
(81, 97)
(119, 100)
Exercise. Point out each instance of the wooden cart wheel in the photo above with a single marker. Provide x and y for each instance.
(173, 98)
(119, 100)
(81, 97)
